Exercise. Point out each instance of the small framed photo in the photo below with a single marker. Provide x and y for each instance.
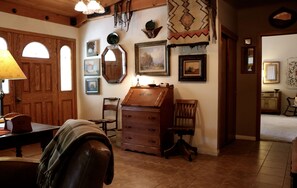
(91, 67)
(192, 68)
(92, 85)
(151, 58)
(92, 48)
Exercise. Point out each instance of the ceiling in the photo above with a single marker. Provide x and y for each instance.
(239, 4)
(61, 7)
(61, 11)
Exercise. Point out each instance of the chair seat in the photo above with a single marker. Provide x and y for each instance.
(109, 115)
(183, 130)
(292, 107)
(99, 121)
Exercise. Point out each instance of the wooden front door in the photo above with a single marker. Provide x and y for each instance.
(67, 98)
(41, 95)
(38, 94)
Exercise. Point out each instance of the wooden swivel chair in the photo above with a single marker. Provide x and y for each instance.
(292, 107)
(109, 114)
(184, 124)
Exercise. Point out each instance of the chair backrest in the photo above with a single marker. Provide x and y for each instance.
(110, 107)
(185, 113)
(291, 101)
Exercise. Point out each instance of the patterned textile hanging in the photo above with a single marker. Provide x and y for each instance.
(188, 22)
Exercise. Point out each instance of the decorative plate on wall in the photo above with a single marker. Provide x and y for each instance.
(283, 18)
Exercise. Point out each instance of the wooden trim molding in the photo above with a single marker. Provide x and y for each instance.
(77, 21)
(33, 13)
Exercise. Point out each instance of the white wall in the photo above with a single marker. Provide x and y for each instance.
(280, 48)
(89, 106)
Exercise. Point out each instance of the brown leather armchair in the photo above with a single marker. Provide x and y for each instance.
(89, 165)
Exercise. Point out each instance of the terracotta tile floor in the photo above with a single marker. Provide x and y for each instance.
(242, 164)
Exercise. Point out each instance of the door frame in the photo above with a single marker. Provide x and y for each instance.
(222, 87)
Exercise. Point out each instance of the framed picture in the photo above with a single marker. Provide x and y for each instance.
(248, 60)
(151, 58)
(91, 67)
(192, 68)
(92, 85)
(291, 73)
(92, 48)
(271, 72)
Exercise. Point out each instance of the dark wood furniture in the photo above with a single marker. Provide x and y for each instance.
(40, 133)
(110, 108)
(147, 113)
(271, 102)
(184, 124)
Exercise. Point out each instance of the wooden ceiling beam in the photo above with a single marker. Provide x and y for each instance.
(16, 9)
(136, 5)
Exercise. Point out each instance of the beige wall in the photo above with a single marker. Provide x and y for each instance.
(33, 25)
(207, 93)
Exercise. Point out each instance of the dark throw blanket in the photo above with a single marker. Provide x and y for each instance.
(71, 133)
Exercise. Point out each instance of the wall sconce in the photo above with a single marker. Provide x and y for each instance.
(248, 41)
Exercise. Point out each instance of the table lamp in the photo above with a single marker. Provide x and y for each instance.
(9, 69)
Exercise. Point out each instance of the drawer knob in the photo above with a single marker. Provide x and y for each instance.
(128, 127)
(128, 137)
(128, 116)
(151, 117)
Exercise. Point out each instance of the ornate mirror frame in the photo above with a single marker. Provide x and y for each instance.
(114, 64)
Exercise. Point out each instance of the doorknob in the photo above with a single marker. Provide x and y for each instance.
(18, 99)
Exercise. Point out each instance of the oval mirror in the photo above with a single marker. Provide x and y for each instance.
(114, 68)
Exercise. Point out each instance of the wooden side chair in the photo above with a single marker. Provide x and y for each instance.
(110, 110)
(184, 124)
(291, 108)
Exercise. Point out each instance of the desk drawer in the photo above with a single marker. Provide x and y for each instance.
(140, 139)
(143, 119)
(138, 128)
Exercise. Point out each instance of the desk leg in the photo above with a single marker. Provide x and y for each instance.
(46, 140)
(18, 151)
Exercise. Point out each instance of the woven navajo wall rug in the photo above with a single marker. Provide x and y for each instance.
(188, 22)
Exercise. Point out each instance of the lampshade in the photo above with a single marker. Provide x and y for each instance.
(80, 6)
(9, 69)
(92, 7)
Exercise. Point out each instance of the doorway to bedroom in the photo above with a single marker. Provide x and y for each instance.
(279, 49)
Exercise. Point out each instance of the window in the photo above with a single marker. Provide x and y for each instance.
(35, 50)
(65, 69)
(5, 84)
(3, 44)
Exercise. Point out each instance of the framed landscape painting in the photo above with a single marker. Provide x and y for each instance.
(192, 68)
(151, 58)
